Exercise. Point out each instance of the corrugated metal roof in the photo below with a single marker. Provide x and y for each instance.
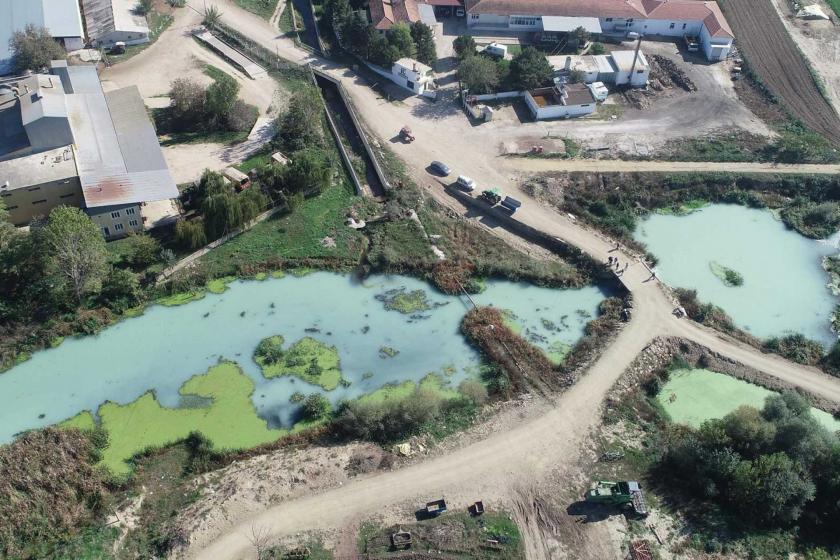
(135, 133)
(60, 17)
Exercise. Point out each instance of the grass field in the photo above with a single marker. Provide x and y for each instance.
(263, 8)
(295, 235)
(452, 535)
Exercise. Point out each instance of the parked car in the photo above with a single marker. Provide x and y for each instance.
(440, 167)
(465, 183)
(459, 12)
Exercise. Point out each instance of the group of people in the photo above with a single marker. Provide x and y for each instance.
(615, 265)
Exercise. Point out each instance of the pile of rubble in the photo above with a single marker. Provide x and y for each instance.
(664, 73)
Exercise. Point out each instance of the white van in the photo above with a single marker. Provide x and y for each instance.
(465, 183)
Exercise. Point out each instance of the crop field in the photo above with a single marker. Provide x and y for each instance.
(779, 64)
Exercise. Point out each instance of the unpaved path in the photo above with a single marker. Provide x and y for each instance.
(615, 165)
(494, 467)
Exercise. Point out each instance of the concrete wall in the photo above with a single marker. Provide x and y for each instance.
(714, 49)
(24, 204)
(133, 38)
(487, 20)
(47, 133)
(558, 111)
(117, 221)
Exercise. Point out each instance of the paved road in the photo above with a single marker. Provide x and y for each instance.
(615, 165)
(492, 467)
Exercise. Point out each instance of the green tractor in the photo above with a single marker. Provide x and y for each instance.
(626, 495)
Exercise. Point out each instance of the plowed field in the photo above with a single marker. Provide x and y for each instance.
(772, 53)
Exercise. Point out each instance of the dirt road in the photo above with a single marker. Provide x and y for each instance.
(774, 56)
(613, 165)
(493, 467)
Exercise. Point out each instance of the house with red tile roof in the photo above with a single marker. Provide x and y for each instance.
(385, 13)
(664, 18)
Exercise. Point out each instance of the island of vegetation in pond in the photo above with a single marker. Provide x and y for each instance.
(309, 359)
(229, 422)
(403, 301)
(728, 276)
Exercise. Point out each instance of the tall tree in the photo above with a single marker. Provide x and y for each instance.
(530, 69)
(300, 126)
(479, 74)
(75, 250)
(309, 172)
(399, 36)
(464, 46)
(33, 49)
(424, 41)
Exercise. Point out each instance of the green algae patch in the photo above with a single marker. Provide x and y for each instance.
(302, 271)
(729, 277)
(683, 209)
(83, 421)
(260, 276)
(278, 274)
(56, 342)
(405, 302)
(309, 359)
(432, 383)
(219, 285)
(693, 396)
(181, 298)
(557, 352)
(510, 320)
(230, 422)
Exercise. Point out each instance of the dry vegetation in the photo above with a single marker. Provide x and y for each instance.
(49, 489)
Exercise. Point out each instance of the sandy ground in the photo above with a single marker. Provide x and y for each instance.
(249, 486)
(533, 165)
(819, 42)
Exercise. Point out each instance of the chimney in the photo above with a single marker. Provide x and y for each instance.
(568, 65)
(414, 67)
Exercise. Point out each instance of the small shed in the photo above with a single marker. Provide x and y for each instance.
(631, 68)
(573, 100)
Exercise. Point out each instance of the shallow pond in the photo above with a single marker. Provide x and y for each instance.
(166, 346)
(784, 285)
(693, 396)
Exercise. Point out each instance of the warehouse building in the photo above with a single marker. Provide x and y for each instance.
(63, 141)
(60, 17)
(112, 21)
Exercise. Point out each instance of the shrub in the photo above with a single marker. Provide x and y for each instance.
(464, 46)
(120, 290)
(145, 250)
(315, 407)
(474, 391)
(797, 348)
(479, 74)
(189, 234)
(597, 48)
(33, 49)
(386, 421)
(241, 116)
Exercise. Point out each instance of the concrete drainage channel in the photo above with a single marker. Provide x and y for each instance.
(347, 130)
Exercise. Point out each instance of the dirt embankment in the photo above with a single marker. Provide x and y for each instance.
(775, 58)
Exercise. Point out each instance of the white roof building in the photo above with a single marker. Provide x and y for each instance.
(110, 21)
(60, 17)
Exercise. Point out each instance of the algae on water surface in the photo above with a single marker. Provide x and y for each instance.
(728, 276)
(693, 396)
(230, 422)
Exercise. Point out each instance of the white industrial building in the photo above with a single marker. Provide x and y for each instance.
(64, 141)
(627, 67)
(572, 100)
(60, 17)
(112, 21)
(664, 18)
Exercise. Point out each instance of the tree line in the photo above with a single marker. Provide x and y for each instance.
(350, 26)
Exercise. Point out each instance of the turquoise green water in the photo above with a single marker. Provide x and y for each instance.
(785, 287)
(164, 347)
(693, 396)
